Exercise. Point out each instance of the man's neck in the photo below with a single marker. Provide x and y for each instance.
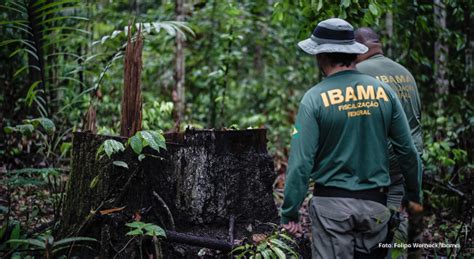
(374, 49)
(332, 70)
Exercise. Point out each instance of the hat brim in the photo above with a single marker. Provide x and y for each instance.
(311, 47)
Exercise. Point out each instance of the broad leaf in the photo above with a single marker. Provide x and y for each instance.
(25, 129)
(373, 9)
(154, 230)
(47, 124)
(112, 146)
(121, 164)
(136, 144)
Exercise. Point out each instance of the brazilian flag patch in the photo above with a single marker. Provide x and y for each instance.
(295, 132)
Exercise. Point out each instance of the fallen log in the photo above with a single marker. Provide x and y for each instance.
(192, 240)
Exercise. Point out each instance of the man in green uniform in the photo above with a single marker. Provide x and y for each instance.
(340, 141)
(374, 63)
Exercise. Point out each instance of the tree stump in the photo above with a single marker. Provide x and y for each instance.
(202, 181)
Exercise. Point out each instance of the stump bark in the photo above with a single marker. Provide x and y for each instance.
(201, 182)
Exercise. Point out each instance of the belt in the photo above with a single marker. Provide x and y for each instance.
(377, 194)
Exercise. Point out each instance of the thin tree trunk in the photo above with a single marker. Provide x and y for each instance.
(131, 115)
(212, 86)
(440, 50)
(389, 28)
(178, 91)
(469, 48)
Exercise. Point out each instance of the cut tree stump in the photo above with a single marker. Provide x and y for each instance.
(203, 180)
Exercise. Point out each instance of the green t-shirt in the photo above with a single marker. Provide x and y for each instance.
(340, 139)
(403, 83)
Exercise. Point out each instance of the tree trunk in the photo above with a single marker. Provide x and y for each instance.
(131, 112)
(202, 181)
(441, 51)
(178, 91)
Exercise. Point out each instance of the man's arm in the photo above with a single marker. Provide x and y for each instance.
(304, 145)
(406, 152)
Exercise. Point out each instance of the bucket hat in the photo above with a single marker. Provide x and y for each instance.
(332, 35)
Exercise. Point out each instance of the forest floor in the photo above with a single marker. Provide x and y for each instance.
(34, 202)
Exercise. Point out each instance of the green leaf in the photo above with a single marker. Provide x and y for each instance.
(373, 9)
(25, 129)
(135, 232)
(31, 94)
(47, 125)
(149, 140)
(65, 147)
(20, 70)
(112, 146)
(141, 157)
(154, 230)
(136, 144)
(94, 182)
(346, 3)
(288, 238)
(135, 224)
(278, 252)
(320, 5)
(55, 3)
(266, 254)
(8, 130)
(282, 245)
(159, 139)
(100, 151)
(15, 234)
(120, 163)
(32, 242)
(239, 248)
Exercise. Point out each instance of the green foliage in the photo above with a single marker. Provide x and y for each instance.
(30, 125)
(154, 139)
(277, 245)
(148, 229)
(50, 247)
(36, 29)
(30, 176)
(110, 147)
(15, 233)
(145, 138)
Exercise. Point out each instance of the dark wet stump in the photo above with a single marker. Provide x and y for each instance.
(203, 180)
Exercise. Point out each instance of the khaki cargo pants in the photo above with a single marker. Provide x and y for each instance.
(341, 226)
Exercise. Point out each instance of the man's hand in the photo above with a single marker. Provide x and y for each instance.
(293, 227)
(415, 208)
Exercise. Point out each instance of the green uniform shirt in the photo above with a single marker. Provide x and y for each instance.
(340, 139)
(403, 83)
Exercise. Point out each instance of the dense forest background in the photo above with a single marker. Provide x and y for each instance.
(214, 64)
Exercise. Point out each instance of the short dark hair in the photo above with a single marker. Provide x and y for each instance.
(366, 34)
(338, 58)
